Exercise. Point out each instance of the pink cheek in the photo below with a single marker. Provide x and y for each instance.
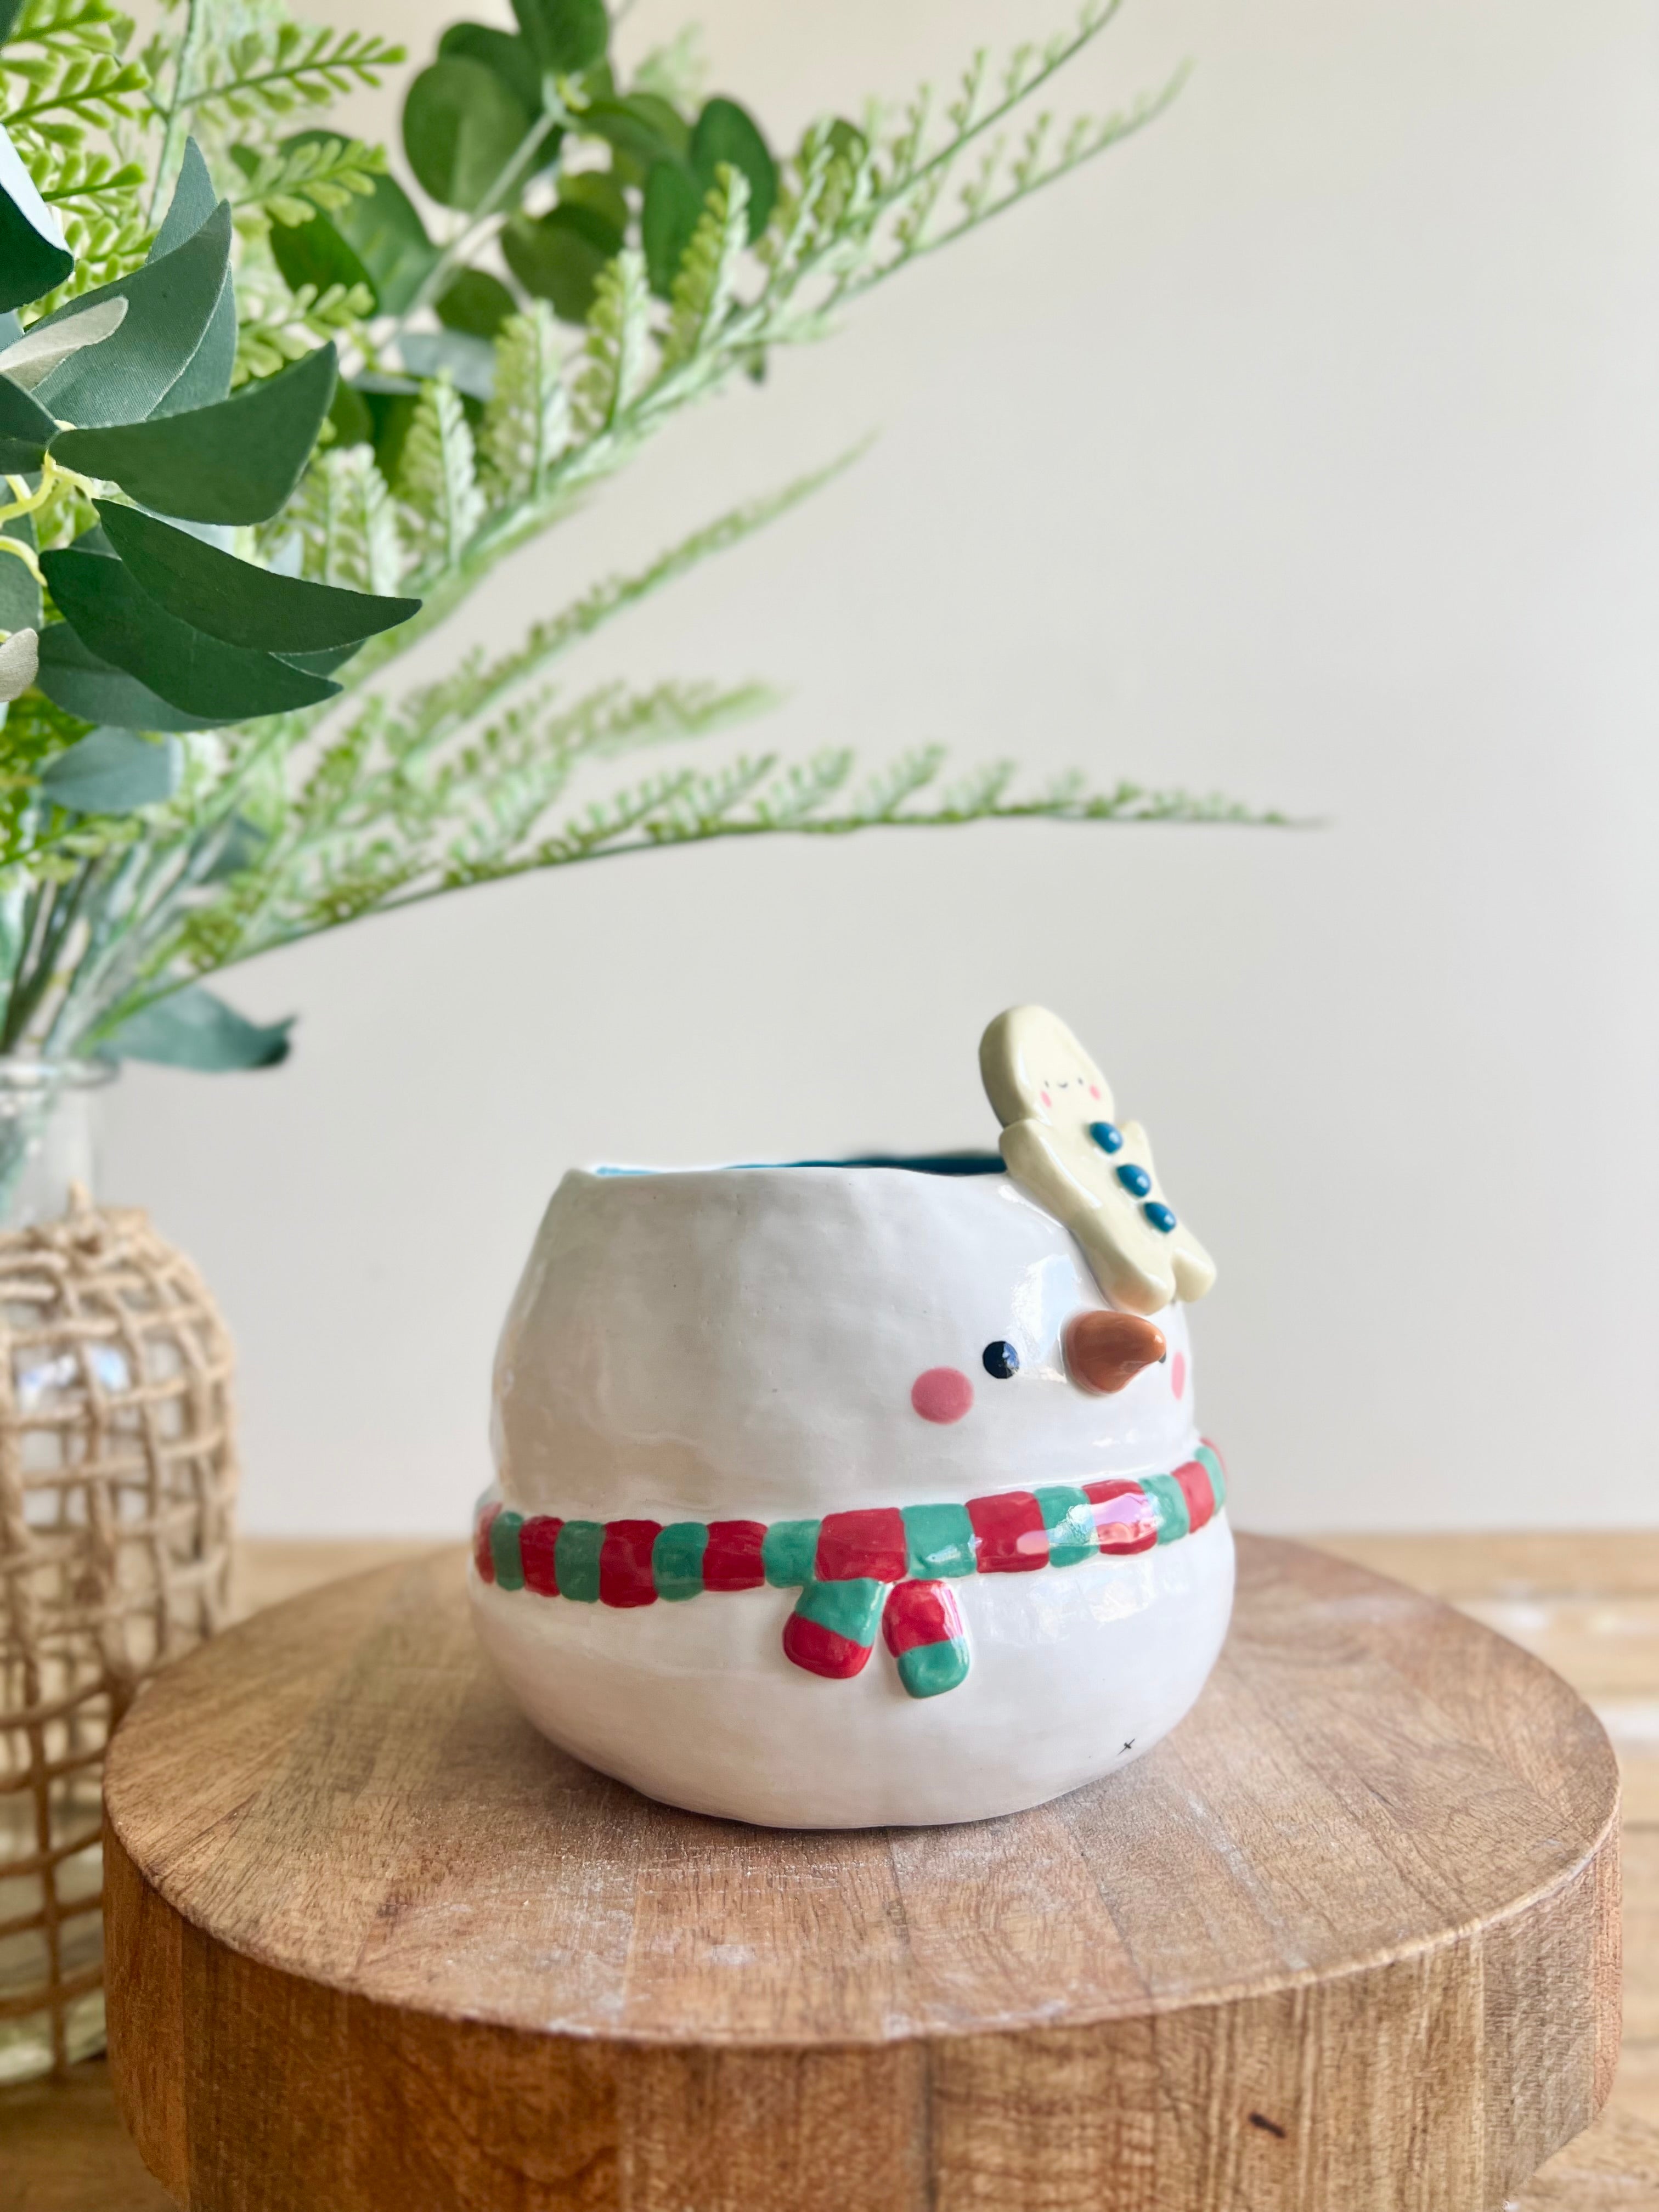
(1178, 1374)
(1046, 1099)
(943, 1393)
(1094, 1090)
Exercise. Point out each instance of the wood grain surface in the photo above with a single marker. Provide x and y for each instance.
(1348, 1939)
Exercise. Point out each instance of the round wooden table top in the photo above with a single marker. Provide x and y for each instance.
(1347, 1938)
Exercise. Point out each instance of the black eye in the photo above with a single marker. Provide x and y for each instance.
(1001, 1360)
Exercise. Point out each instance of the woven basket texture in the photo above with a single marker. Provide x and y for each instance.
(118, 1476)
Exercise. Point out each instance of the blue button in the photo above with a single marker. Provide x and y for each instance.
(1159, 1215)
(1107, 1135)
(1135, 1179)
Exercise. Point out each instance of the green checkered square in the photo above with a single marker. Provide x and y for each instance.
(1173, 1519)
(938, 1540)
(504, 1550)
(1069, 1522)
(676, 1560)
(576, 1560)
(789, 1552)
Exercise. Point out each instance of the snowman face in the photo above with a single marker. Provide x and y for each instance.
(1036, 1070)
(805, 1340)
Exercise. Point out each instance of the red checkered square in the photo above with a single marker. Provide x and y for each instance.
(733, 1560)
(539, 1541)
(1123, 1518)
(1012, 1540)
(625, 1575)
(482, 1558)
(1194, 1481)
(852, 1546)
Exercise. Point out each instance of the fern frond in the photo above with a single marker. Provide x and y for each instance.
(527, 423)
(703, 287)
(274, 68)
(268, 337)
(65, 73)
(437, 478)
(290, 183)
(618, 353)
(803, 789)
(343, 517)
(98, 203)
(476, 686)
(82, 182)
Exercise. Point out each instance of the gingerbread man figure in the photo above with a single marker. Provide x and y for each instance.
(1063, 1148)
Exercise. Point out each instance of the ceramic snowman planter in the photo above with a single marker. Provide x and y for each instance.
(833, 1496)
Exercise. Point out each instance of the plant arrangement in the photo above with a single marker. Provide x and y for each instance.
(268, 419)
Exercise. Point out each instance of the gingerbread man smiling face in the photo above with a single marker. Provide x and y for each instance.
(1063, 1148)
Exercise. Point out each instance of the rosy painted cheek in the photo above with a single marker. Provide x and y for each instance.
(1178, 1374)
(1094, 1090)
(1046, 1099)
(942, 1393)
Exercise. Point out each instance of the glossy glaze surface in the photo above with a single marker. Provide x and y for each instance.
(781, 1346)
(1072, 1675)
(795, 1341)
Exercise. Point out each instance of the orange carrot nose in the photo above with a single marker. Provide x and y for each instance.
(1105, 1350)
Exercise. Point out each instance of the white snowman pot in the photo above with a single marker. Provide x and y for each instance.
(837, 1496)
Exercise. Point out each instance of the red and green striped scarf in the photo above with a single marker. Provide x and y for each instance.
(886, 1567)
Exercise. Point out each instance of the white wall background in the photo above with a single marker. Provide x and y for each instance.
(1305, 448)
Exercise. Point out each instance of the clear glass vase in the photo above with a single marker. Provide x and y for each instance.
(55, 1713)
(48, 1133)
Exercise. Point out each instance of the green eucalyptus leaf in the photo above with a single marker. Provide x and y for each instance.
(461, 128)
(350, 416)
(726, 133)
(193, 201)
(315, 253)
(26, 430)
(113, 770)
(642, 126)
(558, 256)
(234, 601)
(201, 674)
(207, 373)
(378, 237)
(504, 51)
(326, 662)
(33, 258)
(170, 304)
(393, 411)
(9, 11)
(673, 205)
(234, 462)
(475, 302)
(565, 36)
(76, 678)
(29, 361)
(383, 228)
(470, 362)
(19, 595)
(597, 192)
(191, 1028)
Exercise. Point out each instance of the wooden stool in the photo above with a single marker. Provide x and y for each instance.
(1347, 1943)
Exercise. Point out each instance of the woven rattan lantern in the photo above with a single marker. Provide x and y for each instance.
(117, 1470)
